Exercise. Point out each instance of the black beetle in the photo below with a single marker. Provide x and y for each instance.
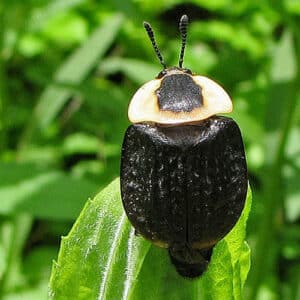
(183, 169)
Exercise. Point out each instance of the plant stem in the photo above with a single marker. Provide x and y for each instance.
(3, 81)
(14, 235)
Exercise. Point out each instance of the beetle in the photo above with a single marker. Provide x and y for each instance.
(183, 167)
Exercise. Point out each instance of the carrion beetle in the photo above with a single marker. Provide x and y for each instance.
(183, 168)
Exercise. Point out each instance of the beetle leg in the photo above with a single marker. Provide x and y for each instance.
(136, 233)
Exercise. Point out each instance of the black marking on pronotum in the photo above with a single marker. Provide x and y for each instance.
(179, 93)
(183, 168)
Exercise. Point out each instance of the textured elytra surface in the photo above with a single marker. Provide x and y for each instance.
(184, 184)
(179, 93)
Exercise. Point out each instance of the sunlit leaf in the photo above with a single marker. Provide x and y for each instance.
(42, 193)
(42, 15)
(75, 69)
(101, 258)
(29, 293)
(284, 57)
(138, 71)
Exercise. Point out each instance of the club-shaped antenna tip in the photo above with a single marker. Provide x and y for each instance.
(184, 19)
(183, 24)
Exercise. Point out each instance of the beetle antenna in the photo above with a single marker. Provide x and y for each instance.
(183, 24)
(152, 39)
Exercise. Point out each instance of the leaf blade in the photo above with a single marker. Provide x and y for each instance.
(54, 97)
(132, 267)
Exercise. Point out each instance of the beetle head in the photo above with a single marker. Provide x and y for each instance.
(177, 96)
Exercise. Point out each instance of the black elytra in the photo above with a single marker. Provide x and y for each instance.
(183, 186)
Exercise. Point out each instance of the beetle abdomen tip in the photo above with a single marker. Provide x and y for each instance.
(190, 263)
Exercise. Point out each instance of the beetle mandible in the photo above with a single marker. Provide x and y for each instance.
(183, 168)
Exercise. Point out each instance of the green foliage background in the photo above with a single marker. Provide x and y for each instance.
(68, 69)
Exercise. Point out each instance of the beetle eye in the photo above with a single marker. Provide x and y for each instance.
(161, 74)
(187, 71)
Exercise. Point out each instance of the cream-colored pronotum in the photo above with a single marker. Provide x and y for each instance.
(144, 106)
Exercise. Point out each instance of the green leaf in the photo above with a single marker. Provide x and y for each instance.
(75, 69)
(101, 258)
(42, 193)
(137, 70)
(75, 29)
(80, 143)
(38, 292)
(3, 261)
(41, 16)
(37, 263)
(283, 66)
(92, 262)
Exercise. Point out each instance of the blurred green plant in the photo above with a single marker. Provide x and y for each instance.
(67, 72)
